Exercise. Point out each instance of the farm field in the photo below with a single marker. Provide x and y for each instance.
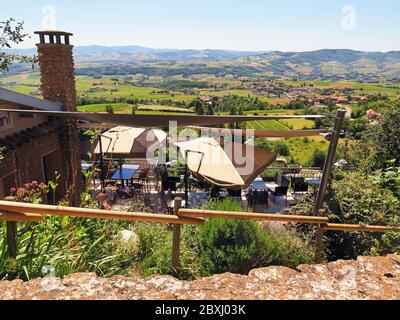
(127, 109)
(271, 125)
(299, 124)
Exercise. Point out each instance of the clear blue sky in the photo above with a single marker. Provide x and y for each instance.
(288, 25)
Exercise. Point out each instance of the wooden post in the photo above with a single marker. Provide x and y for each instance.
(12, 234)
(339, 119)
(176, 238)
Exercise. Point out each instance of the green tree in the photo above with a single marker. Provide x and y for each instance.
(318, 159)
(380, 142)
(282, 149)
(11, 32)
(198, 106)
(109, 109)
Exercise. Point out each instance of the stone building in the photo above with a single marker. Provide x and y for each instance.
(36, 146)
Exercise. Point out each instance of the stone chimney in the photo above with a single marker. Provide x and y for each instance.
(57, 68)
(58, 85)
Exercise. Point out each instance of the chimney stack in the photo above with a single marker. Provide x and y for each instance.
(58, 85)
(57, 68)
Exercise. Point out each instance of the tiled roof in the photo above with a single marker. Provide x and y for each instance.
(18, 139)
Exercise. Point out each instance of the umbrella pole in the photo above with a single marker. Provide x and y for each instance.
(103, 185)
(187, 174)
(186, 180)
(121, 172)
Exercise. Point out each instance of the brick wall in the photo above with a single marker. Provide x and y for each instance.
(8, 164)
(30, 157)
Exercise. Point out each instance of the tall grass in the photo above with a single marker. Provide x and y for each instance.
(68, 245)
(71, 245)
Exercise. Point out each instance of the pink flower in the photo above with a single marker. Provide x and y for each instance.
(13, 190)
(35, 183)
(20, 190)
(26, 199)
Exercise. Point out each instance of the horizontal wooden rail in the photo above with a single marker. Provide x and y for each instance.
(358, 228)
(251, 216)
(35, 209)
(19, 216)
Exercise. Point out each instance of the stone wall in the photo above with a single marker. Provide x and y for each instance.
(27, 159)
(368, 278)
(58, 74)
(30, 157)
(58, 84)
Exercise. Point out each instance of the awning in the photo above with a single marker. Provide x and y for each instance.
(122, 142)
(232, 166)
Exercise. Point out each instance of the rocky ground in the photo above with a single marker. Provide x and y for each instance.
(366, 278)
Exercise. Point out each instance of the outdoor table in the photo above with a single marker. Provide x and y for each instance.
(259, 189)
(313, 181)
(125, 173)
(258, 185)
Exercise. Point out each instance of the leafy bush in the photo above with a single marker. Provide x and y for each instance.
(379, 143)
(356, 198)
(220, 246)
(318, 159)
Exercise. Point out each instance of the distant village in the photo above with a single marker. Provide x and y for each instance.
(306, 92)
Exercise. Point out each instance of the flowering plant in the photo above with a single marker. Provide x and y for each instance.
(32, 192)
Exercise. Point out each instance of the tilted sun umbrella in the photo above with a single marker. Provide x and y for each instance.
(123, 142)
(232, 165)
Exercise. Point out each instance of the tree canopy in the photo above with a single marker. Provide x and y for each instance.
(11, 32)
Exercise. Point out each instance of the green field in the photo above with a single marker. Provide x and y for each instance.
(299, 124)
(127, 109)
(271, 125)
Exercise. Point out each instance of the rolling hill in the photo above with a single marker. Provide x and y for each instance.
(328, 64)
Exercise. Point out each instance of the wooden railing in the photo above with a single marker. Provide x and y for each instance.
(13, 212)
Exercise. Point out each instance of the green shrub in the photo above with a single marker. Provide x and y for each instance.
(219, 246)
(235, 246)
(318, 159)
(355, 198)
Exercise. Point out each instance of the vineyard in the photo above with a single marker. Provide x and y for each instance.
(271, 125)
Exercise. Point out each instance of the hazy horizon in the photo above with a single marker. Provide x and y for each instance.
(205, 49)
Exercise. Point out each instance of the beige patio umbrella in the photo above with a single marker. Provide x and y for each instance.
(231, 166)
(125, 142)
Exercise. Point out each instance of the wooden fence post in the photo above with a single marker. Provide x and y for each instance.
(12, 234)
(176, 238)
(326, 175)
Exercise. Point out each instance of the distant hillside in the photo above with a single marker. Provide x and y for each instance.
(329, 64)
(138, 53)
